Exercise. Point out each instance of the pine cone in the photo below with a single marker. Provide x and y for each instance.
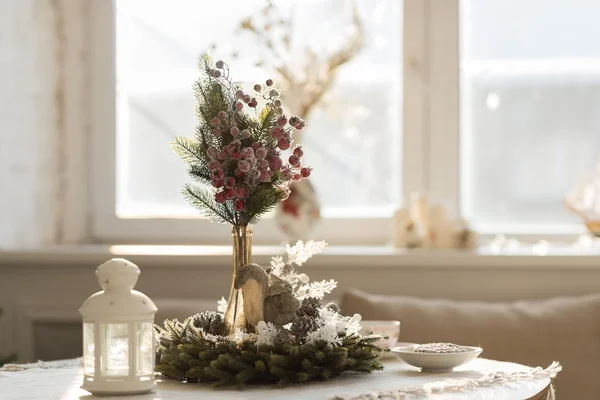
(210, 322)
(303, 325)
(283, 337)
(310, 306)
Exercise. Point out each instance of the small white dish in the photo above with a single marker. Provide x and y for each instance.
(436, 362)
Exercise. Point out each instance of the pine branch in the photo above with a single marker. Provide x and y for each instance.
(201, 174)
(266, 120)
(188, 149)
(204, 202)
(261, 201)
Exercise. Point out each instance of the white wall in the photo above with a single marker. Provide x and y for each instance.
(43, 109)
(42, 292)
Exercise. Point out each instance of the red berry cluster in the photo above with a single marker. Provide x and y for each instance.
(247, 161)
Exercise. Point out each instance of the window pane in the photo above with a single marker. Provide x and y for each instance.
(352, 139)
(530, 91)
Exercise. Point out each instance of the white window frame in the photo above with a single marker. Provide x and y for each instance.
(107, 227)
(430, 147)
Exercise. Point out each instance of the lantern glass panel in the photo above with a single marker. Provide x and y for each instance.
(116, 351)
(89, 347)
(146, 353)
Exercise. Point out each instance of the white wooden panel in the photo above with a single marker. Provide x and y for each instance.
(443, 102)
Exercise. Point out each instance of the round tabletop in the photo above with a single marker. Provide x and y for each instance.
(61, 380)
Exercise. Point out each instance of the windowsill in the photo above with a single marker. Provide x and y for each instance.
(335, 256)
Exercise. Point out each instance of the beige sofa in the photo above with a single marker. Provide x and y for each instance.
(536, 332)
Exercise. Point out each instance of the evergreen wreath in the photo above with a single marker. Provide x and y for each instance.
(318, 344)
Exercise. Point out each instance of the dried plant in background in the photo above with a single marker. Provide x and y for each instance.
(306, 74)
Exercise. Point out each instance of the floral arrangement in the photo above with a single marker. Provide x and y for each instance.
(236, 153)
(318, 344)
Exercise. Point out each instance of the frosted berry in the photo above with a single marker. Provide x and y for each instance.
(222, 115)
(297, 177)
(217, 173)
(255, 173)
(260, 153)
(229, 182)
(269, 82)
(305, 172)
(258, 88)
(215, 122)
(241, 192)
(294, 160)
(240, 205)
(219, 64)
(239, 105)
(212, 151)
(284, 144)
(217, 183)
(282, 120)
(275, 163)
(277, 133)
(230, 193)
(277, 103)
(247, 98)
(247, 152)
(298, 152)
(245, 134)
(239, 94)
(253, 103)
(265, 176)
(244, 166)
(220, 197)
(236, 155)
(214, 164)
(234, 132)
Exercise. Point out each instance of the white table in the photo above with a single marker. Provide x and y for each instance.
(62, 383)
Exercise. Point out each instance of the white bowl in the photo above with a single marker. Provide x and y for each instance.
(436, 362)
(391, 329)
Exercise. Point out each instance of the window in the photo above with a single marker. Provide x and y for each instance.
(530, 83)
(353, 137)
(486, 105)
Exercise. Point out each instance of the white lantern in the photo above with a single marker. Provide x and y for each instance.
(118, 333)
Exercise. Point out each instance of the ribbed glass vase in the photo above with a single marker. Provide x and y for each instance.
(242, 253)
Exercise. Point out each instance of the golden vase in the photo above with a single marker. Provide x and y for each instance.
(242, 253)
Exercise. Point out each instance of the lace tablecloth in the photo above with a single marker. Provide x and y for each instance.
(61, 380)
